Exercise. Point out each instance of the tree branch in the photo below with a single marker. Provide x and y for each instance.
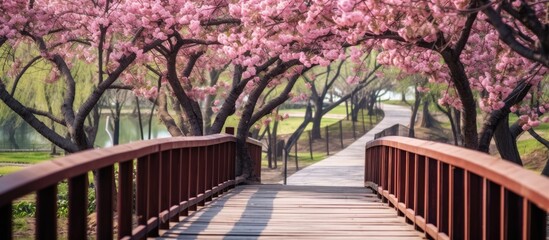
(48, 115)
(23, 71)
(460, 44)
(29, 117)
(507, 36)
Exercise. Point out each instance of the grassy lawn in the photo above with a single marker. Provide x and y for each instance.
(337, 110)
(24, 157)
(4, 170)
(286, 126)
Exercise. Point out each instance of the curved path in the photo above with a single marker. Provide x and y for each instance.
(323, 211)
(346, 168)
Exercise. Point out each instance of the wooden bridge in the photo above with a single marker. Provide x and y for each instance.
(188, 188)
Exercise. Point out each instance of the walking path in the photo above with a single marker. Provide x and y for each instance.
(346, 168)
(323, 211)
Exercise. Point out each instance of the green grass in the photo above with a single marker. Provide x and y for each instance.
(286, 126)
(24, 157)
(4, 170)
(337, 110)
(528, 145)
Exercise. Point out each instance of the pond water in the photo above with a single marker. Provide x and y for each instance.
(28, 138)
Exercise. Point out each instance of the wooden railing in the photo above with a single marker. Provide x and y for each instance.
(395, 130)
(454, 193)
(165, 177)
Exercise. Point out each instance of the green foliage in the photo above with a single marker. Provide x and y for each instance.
(22, 209)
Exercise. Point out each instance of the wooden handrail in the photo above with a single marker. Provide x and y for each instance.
(166, 177)
(455, 193)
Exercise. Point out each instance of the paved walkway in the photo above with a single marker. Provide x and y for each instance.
(324, 211)
(346, 168)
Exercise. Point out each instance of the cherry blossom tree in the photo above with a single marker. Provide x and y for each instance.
(452, 44)
(104, 41)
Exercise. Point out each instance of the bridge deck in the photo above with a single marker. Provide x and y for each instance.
(294, 212)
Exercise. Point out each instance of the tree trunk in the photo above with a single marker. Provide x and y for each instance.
(427, 120)
(358, 105)
(11, 134)
(317, 119)
(274, 135)
(497, 116)
(461, 84)
(505, 143)
(415, 108)
(545, 171)
(448, 114)
(139, 118)
(269, 147)
(457, 122)
(116, 128)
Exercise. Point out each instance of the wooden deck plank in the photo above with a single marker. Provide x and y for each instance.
(294, 212)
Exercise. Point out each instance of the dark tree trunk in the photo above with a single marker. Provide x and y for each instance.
(415, 108)
(359, 105)
(505, 143)
(139, 118)
(295, 136)
(545, 171)
(269, 147)
(274, 141)
(427, 120)
(448, 113)
(461, 84)
(497, 116)
(116, 128)
(317, 119)
(457, 122)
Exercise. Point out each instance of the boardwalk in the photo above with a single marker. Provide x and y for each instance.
(294, 212)
(331, 203)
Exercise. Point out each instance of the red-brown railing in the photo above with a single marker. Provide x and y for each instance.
(454, 193)
(166, 177)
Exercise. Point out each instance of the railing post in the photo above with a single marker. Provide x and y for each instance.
(46, 213)
(193, 175)
(458, 208)
(175, 182)
(78, 210)
(210, 169)
(125, 202)
(216, 167)
(202, 175)
(229, 130)
(141, 185)
(104, 201)
(164, 196)
(154, 191)
(185, 178)
(6, 227)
